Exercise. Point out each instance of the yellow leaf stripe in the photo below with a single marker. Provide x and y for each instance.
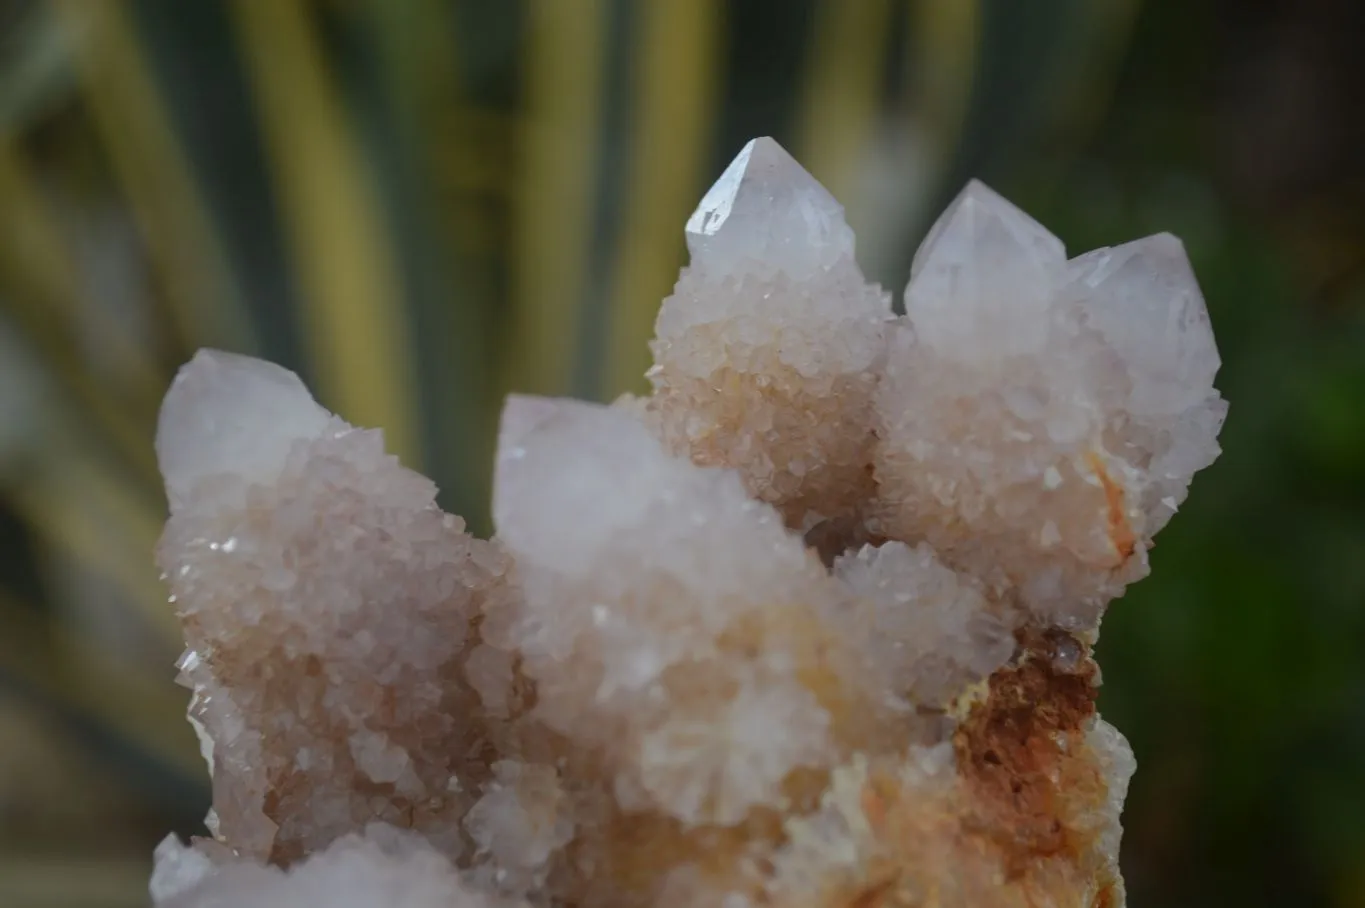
(676, 74)
(565, 57)
(353, 312)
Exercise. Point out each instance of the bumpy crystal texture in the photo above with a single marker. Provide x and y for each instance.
(327, 605)
(809, 626)
(1038, 419)
(768, 352)
(698, 673)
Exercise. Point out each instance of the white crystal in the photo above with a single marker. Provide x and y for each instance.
(719, 766)
(1040, 417)
(377, 756)
(176, 868)
(979, 211)
(226, 413)
(593, 483)
(296, 543)
(569, 474)
(1143, 299)
(523, 416)
(383, 867)
(928, 630)
(521, 413)
(766, 208)
(1117, 765)
(982, 280)
(522, 819)
(766, 353)
(633, 563)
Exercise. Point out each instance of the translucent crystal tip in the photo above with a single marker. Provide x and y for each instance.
(764, 204)
(228, 413)
(979, 210)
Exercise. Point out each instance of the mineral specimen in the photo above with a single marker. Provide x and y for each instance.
(769, 352)
(810, 625)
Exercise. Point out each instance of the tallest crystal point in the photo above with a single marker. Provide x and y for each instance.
(766, 207)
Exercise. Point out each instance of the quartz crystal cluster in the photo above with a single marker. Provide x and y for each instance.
(810, 625)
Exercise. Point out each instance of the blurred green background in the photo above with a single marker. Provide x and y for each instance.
(421, 205)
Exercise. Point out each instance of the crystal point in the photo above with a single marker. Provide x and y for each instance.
(766, 206)
(1144, 299)
(772, 314)
(982, 279)
(978, 211)
(228, 413)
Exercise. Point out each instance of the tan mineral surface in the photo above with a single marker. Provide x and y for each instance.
(811, 625)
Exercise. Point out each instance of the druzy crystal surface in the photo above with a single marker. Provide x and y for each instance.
(811, 624)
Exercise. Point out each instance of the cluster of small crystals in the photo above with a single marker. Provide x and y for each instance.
(1039, 418)
(327, 605)
(811, 625)
(768, 354)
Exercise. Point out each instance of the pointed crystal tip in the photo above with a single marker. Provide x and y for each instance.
(1144, 299)
(979, 208)
(766, 207)
(982, 280)
(227, 413)
(762, 161)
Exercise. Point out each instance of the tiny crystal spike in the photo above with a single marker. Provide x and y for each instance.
(231, 413)
(982, 279)
(767, 207)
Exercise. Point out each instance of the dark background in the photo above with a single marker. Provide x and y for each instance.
(421, 205)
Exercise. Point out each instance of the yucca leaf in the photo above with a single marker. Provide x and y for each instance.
(1079, 88)
(74, 503)
(675, 79)
(206, 305)
(945, 48)
(842, 96)
(564, 50)
(77, 677)
(50, 300)
(191, 51)
(354, 331)
(406, 82)
(36, 71)
(39, 273)
(1026, 52)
